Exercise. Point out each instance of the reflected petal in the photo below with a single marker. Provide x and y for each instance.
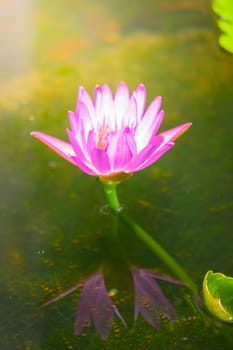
(103, 315)
(149, 298)
(95, 303)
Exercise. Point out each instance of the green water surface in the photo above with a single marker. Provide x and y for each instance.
(53, 230)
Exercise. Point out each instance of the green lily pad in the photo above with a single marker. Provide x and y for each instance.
(218, 295)
(226, 42)
(224, 9)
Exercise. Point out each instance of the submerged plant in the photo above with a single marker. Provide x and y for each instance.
(114, 134)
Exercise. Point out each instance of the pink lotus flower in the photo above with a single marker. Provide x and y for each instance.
(114, 134)
(149, 298)
(95, 302)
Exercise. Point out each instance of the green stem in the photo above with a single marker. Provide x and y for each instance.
(114, 204)
(111, 195)
(159, 251)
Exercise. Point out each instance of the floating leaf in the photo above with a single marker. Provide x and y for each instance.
(224, 9)
(218, 295)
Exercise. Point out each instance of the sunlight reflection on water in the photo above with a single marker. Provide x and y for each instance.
(16, 33)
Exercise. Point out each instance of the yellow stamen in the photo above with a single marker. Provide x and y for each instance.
(100, 137)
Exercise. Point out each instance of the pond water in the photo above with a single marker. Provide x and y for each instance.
(54, 233)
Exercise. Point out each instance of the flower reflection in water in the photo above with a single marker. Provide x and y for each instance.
(95, 302)
(149, 298)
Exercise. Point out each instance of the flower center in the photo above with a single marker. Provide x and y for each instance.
(100, 137)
